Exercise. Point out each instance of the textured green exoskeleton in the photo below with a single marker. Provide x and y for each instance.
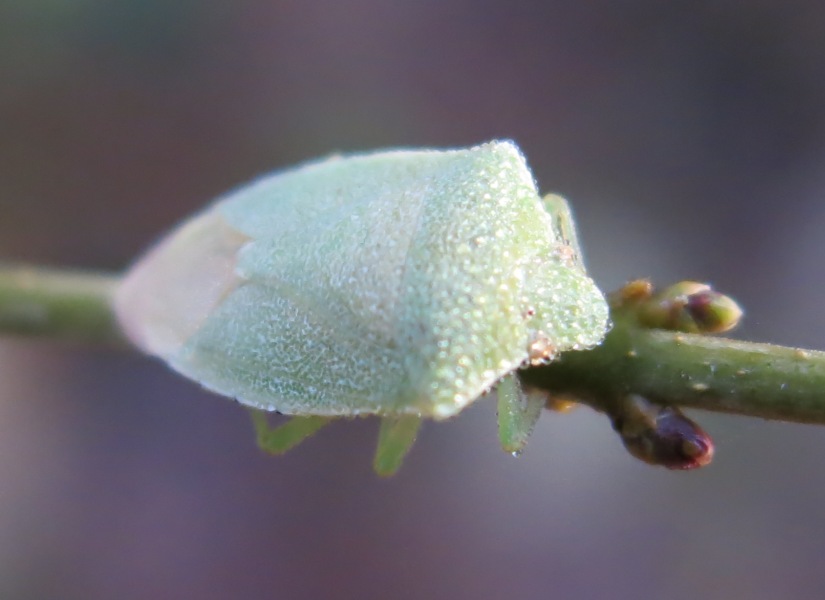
(403, 284)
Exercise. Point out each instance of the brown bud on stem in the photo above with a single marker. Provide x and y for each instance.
(661, 436)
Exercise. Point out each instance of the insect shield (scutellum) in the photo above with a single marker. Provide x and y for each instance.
(403, 284)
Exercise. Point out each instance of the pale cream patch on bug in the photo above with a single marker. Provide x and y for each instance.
(202, 258)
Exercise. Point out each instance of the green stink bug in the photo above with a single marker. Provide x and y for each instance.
(403, 284)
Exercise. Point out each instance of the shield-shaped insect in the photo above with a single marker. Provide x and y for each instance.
(403, 284)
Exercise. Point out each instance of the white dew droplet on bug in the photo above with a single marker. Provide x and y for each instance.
(404, 282)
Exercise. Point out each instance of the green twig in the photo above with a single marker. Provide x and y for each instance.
(699, 371)
(35, 301)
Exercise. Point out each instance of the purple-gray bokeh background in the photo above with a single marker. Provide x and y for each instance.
(691, 139)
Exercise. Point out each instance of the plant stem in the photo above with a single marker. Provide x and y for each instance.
(36, 301)
(699, 371)
(711, 373)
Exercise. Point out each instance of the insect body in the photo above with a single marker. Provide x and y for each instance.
(403, 284)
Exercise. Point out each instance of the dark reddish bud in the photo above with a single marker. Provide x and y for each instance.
(661, 435)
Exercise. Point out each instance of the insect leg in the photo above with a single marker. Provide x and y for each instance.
(518, 412)
(395, 438)
(279, 439)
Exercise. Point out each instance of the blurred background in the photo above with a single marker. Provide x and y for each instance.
(691, 139)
